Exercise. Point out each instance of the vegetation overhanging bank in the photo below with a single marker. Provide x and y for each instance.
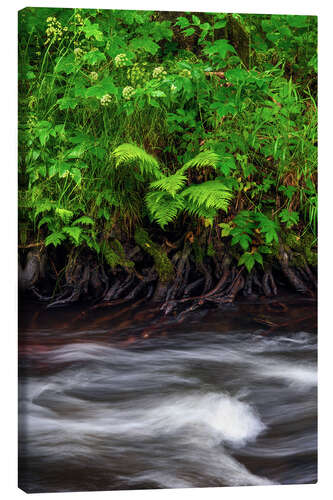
(166, 156)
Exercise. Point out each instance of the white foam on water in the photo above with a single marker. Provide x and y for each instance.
(302, 376)
(145, 407)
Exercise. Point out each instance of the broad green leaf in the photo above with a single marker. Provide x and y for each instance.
(183, 22)
(146, 44)
(92, 30)
(66, 64)
(195, 20)
(248, 259)
(94, 57)
(289, 218)
(67, 103)
(220, 47)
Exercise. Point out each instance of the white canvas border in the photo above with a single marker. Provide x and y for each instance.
(8, 302)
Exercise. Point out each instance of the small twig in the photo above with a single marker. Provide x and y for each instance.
(31, 245)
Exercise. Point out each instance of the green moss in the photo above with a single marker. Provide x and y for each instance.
(210, 250)
(198, 252)
(114, 255)
(163, 264)
(302, 247)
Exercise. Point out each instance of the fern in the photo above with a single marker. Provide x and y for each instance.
(203, 159)
(210, 194)
(74, 232)
(129, 153)
(45, 220)
(162, 207)
(42, 207)
(55, 238)
(84, 220)
(198, 210)
(171, 184)
(64, 214)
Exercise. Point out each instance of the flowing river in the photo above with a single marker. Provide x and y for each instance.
(115, 399)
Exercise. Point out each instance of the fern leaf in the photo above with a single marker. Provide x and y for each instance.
(55, 238)
(74, 232)
(64, 214)
(203, 159)
(171, 184)
(128, 153)
(198, 210)
(210, 194)
(84, 220)
(45, 220)
(43, 206)
(91, 242)
(162, 207)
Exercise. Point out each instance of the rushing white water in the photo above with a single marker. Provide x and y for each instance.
(189, 411)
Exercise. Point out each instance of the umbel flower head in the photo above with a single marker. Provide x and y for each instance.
(138, 74)
(105, 100)
(78, 52)
(128, 92)
(54, 30)
(93, 75)
(159, 72)
(121, 60)
(186, 73)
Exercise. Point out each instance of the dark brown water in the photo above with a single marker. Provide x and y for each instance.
(115, 399)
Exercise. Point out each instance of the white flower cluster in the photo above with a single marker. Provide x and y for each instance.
(121, 60)
(54, 30)
(93, 75)
(78, 18)
(78, 52)
(32, 101)
(105, 100)
(159, 72)
(31, 123)
(186, 73)
(128, 92)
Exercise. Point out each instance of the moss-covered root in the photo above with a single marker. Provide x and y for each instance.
(114, 255)
(290, 274)
(162, 263)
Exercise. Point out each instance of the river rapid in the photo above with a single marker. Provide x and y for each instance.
(115, 399)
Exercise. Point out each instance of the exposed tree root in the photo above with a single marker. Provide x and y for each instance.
(34, 269)
(219, 280)
(192, 286)
(291, 275)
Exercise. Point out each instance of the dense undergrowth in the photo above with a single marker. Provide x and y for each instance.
(171, 155)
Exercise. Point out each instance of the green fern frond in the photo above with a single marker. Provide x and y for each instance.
(203, 159)
(162, 207)
(43, 206)
(74, 232)
(171, 184)
(128, 153)
(210, 194)
(55, 238)
(45, 220)
(84, 220)
(198, 210)
(64, 214)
